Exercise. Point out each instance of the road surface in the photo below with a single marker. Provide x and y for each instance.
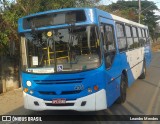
(143, 98)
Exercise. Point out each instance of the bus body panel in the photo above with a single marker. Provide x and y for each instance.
(60, 85)
(93, 102)
(72, 87)
(148, 54)
(135, 60)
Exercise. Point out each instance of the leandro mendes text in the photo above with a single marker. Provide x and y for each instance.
(144, 118)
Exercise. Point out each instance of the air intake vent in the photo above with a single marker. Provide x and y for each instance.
(47, 93)
(63, 92)
(65, 81)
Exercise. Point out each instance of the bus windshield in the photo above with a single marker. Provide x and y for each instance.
(59, 50)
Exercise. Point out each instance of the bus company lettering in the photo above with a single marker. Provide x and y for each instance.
(34, 119)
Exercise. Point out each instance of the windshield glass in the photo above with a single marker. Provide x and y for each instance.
(59, 50)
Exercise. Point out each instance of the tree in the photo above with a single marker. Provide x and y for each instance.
(11, 10)
(129, 10)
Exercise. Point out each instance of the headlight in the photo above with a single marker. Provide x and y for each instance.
(28, 83)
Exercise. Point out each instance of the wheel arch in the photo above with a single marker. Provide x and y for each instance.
(124, 72)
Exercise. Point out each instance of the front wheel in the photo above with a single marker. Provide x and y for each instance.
(123, 90)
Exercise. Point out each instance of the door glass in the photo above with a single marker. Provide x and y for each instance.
(109, 44)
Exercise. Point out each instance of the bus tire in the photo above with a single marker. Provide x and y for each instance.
(123, 90)
(143, 75)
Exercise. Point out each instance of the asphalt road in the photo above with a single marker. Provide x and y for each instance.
(143, 98)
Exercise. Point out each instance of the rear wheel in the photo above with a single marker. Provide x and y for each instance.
(143, 75)
(123, 90)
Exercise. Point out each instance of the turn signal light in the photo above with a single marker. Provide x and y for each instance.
(25, 90)
(96, 88)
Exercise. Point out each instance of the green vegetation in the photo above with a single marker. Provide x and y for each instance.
(129, 10)
(11, 11)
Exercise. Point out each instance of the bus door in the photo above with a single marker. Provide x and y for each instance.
(107, 29)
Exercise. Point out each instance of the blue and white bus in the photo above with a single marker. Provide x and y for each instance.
(80, 59)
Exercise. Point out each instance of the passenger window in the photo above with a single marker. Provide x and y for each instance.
(144, 36)
(147, 37)
(146, 32)
(139, 32)
(141, 40)
(129, 37)
(122, 45)
(143, 33)
(135, 37)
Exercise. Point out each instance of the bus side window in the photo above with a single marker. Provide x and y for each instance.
(147, 37)
(135, 37)
(140, 35)
(109, 45)
(146, 33)
(129, 37)
(144, 36)
(122, 44)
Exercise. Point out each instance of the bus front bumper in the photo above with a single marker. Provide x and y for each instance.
(92, 102)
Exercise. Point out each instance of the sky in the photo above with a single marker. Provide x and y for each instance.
(157, 2)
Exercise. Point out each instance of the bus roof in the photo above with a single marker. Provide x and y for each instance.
(52, 11)
(117, 18)
(120, 19)
(100, 12)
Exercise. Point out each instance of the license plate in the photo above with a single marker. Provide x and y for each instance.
(59, 101)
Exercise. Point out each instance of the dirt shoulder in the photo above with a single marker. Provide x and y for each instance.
(10, 100)
(156, 46)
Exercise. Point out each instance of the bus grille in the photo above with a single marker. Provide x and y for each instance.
(65, 81)
(63, 92)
